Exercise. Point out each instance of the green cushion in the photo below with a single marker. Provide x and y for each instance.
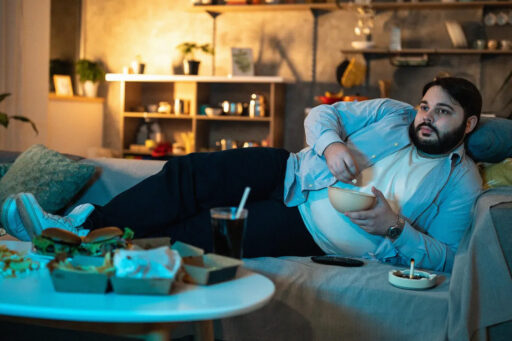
(4, 167)
(51, 177)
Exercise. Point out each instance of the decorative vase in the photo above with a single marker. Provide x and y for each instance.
(91, 88)
(191, 67)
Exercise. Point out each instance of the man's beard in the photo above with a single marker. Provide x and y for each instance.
(442, 145)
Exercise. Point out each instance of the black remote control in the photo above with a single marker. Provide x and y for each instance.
(337, 260)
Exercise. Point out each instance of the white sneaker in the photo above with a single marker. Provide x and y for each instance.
(11, 220)
(35, 219)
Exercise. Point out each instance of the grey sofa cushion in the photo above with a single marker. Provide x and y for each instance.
(321, 302)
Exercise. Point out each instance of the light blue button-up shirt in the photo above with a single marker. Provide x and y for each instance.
(437, 214)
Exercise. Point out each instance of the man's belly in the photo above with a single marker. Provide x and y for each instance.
(332, 230)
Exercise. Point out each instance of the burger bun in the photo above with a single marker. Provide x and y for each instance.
(61, 236)
(103, 234)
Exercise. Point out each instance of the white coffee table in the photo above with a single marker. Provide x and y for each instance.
(33, 299)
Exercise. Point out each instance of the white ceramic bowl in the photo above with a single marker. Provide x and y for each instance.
(212, 111)
(345, 200)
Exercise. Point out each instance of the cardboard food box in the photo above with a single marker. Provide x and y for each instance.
(151, 243)
(68, 280)
(142, 286)
(145, 286)
(205, 269)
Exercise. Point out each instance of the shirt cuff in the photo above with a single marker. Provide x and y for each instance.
(327, 138)
(409, 242)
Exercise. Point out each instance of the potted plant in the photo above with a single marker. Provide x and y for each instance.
(90, 74)
(4, 118)
(188, 50)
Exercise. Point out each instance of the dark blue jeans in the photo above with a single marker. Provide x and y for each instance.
(175, 202)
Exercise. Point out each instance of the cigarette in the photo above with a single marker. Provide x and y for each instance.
(411, 270)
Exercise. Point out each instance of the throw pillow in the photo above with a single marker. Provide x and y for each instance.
(497, 174)
(491, 141)
(4, 167)
(51, 177)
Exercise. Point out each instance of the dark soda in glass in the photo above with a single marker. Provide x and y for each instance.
(228, 232)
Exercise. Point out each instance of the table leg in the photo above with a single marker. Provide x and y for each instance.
(204, 331)
(158, 335)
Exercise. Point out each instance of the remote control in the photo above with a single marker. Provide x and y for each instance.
(337, 260)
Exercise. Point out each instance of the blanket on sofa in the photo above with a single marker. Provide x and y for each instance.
(481, 284)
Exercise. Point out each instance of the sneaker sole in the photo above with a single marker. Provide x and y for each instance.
(29, 217)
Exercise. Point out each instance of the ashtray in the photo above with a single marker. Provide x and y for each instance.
(420, 281)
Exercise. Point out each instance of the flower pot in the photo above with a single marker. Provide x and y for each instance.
(191, 67)
(90, 88)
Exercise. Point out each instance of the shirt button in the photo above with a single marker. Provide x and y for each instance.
(396, 144)
(310, 185)
(374, 156)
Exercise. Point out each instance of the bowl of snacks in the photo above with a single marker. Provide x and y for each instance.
(346, 200)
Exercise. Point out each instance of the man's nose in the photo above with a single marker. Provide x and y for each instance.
(429, 116)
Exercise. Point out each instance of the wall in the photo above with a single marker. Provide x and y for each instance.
(115, 31)
(24, 55)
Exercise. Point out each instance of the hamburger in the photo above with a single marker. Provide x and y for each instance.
(53, 241)
(102, 241)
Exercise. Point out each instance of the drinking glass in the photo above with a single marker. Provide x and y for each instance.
(228, 231)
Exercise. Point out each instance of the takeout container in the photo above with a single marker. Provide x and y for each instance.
(146, 286)
(67, 280)
(205, 269)
(346, 200)
(76, 281)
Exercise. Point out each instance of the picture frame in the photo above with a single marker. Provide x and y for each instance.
(242, 63)
(63, 85)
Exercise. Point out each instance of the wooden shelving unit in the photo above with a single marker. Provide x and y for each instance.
(425, 51)
(331, 6)
(139, 91)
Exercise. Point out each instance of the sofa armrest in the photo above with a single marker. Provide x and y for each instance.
(114, 177)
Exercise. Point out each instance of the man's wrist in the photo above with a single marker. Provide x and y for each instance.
(394, 231)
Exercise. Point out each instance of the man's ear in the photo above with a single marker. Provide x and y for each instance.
(471, 123)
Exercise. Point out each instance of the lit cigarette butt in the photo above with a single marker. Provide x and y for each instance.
(411, 270)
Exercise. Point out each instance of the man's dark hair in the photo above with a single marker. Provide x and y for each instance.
(461, 90)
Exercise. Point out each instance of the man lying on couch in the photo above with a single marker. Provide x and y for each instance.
(413, 161)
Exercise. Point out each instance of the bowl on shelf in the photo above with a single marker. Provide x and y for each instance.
(212, 111)
(329, 99)
(346, 200)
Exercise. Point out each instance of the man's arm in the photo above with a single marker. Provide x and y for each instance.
(328, 126)
(434, 240)
(436, 247)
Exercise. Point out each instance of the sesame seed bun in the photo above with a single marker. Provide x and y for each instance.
(61, 236)
(103, 234)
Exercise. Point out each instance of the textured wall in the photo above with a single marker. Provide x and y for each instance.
(282, 42)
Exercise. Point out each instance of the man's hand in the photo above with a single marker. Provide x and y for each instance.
(376, 220)
(340, 162)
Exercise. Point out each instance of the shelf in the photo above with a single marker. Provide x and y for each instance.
(54, 97)
(131, 152)
(234, 118)
(347, 6)
(138, 90)
(426, 51)
(118, 77)
(157, 115)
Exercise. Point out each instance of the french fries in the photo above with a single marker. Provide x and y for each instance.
(13, 264)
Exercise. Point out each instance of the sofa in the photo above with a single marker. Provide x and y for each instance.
(321, 302)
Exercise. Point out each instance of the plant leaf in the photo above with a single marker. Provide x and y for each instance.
(24, 119)
(3, 96)
(4, 119)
